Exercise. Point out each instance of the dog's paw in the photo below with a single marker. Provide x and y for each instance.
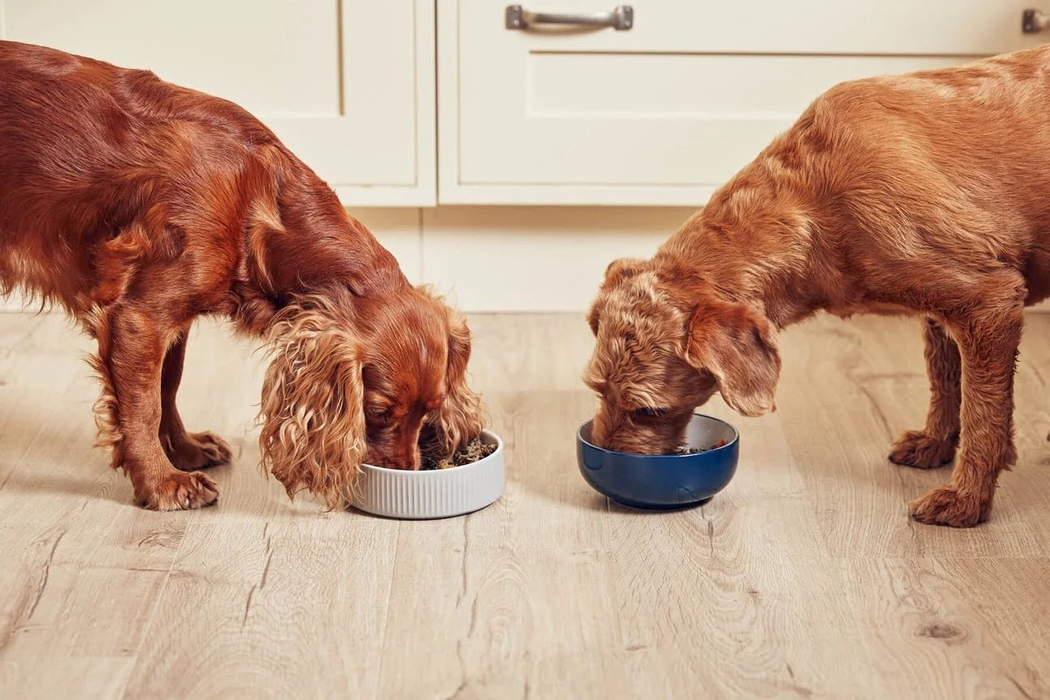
(199, 451)
(946, 506)
(917, 449)
(179, 491)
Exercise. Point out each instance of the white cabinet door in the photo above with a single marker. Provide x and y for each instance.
(348, 85)
(665, 111)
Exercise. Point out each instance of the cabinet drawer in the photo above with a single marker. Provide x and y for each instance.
(347, 85)
(665, 111)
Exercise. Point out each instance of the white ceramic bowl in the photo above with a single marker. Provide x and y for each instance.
(437, 493)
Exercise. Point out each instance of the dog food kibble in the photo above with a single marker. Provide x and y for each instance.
(683, 450)
(474, 451)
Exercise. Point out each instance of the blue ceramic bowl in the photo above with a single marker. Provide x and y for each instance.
(663, 481)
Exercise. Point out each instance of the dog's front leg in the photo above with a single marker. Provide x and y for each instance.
(131, 356)
(988, 339)
(935, 444)
(187, 451)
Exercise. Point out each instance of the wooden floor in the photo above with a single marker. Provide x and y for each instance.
(804, 578)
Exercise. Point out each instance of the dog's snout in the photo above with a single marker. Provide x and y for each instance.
(395, 447)
(617, 436)
(606, 428)
(620, 432)
(410, 458)
(632, 442)
(406, 458)
(599, 434)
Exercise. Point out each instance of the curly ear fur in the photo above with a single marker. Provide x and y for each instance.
(739, 347)
(459, 419)
(313, 434)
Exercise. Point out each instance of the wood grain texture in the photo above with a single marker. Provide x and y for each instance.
(803, 579)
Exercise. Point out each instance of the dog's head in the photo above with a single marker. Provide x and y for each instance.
(355, 379)
(661, 351)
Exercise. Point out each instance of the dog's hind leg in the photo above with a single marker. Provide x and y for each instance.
(988, 336)
(131, 356)
(187, 451)
(935, 445)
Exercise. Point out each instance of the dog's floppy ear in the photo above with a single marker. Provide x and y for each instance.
(313, 435)
(459, 419)
(739, 347)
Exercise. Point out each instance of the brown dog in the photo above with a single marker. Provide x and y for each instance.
(139, 206)
(925, 194)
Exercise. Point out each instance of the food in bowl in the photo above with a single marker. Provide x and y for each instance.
(474, 451)
(686, 450)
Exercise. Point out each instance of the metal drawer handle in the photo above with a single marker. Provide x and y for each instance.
(621, 18)
(1033, 21)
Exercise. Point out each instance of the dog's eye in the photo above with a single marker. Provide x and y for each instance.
(649, 412)
(378, 412)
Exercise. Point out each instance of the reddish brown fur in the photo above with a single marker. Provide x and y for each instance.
(925, 194)
(139, 206)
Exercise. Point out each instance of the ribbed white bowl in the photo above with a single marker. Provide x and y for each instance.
(438, 493)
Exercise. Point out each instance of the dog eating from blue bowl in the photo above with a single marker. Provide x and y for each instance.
(702, 467)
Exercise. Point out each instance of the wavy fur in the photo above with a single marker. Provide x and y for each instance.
(139, 206)
(313, 434)
(460, 418)
(925, 194)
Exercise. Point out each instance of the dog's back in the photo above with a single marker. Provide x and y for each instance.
(949, 167)
(984, 126)
(77, 115)
(87, 147)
